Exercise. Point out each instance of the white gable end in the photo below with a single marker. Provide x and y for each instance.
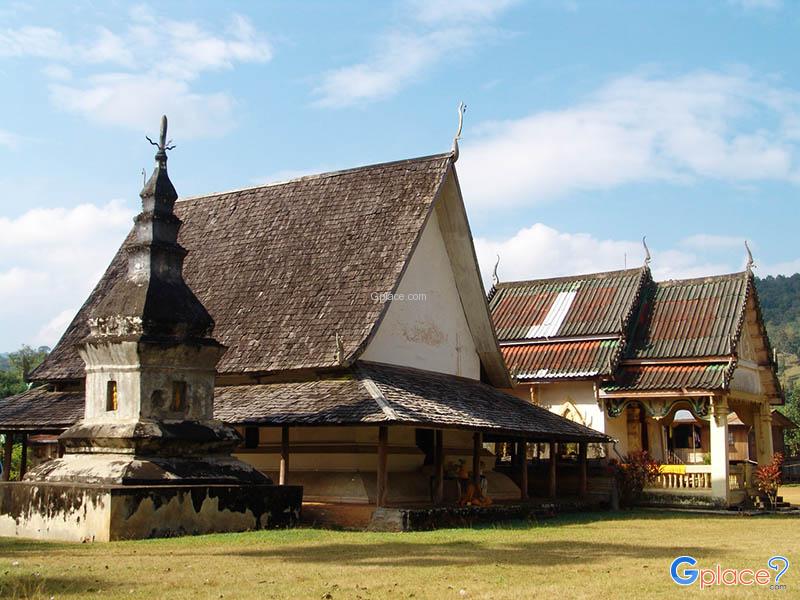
(425, 326)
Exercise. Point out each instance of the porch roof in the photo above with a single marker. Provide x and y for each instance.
(649, 378)
(561, 360)
(382, 394)
(40, 410)
(366, 394)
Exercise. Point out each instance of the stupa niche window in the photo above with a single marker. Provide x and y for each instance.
(111, 396)
(178, 395)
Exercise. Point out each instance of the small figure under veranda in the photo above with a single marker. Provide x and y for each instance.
(474, 495)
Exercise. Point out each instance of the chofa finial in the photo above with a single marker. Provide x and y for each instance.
(750, 262)
(462, 108)
(495, 278)
(163, 145)
(647, 257)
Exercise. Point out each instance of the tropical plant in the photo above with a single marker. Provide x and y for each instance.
(768, 478)
(638, 470)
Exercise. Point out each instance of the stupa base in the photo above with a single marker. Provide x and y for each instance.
(80, 512)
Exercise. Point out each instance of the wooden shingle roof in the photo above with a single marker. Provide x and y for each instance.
(39, 409)
(284, 268)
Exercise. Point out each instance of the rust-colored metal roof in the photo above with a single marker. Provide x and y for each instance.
(691, 317)
(586, 305)
(710, 376)
(561, 360)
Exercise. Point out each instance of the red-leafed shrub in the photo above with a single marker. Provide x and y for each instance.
(768, 478)
(637, 471)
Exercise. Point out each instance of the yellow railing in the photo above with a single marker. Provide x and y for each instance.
(683, 477)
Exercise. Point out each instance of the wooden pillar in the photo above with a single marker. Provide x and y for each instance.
(8, 448)
(523, 470)
(551, 480)
(438, 451)
(383, 475)
(583, 475)
(23, 463)
(762, 425)
(284, 470)
(476, 459)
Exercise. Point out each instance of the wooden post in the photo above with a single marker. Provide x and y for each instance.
(383, 479)
(476, 460)
(284, 471)
(523, 470)
(551, 481)
(583, 475)
(438, 495)
(23, 463)
(8, 448)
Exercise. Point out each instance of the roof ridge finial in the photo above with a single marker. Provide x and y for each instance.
(647, 257)
(751, 264)
(495, 278)
(163, 145)
(462, 108)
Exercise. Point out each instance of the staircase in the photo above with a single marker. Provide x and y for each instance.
(761, 502)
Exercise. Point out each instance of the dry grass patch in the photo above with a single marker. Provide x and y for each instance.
(598, 555)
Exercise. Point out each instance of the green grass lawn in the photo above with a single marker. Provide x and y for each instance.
(595, 555)
(790, 493)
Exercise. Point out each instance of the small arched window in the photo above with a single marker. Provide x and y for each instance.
(111, 396)
(178, 395)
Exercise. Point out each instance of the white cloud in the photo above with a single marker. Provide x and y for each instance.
(129, 78)
(637, 129)
(8, 139)
(437, 29)
(136, 101)
(50, 258)
(755, 4)
(703, 241)
(541, 251)
(459, 11)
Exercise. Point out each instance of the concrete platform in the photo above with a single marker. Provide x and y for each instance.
(424, 517)
(97, 513)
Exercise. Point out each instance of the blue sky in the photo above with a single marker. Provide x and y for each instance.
(589, 125)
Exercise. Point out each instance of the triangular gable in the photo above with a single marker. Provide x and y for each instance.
(438, 317)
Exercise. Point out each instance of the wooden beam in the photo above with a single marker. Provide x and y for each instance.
(583, 475)
(8, 449)
(523, 470)
(383, 475)
(284, 471)
(552, 485)
(438, 493)
(23, 463)
(476, 459)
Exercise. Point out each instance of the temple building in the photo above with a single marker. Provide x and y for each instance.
(361, 361)
(675, 368)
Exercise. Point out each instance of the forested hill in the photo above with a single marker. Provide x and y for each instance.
(780, 305)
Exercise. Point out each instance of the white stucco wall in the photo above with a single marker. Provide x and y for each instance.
(562, 396)
(425, 326)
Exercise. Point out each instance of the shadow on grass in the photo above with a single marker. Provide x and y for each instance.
(29, 585)
(463, 553)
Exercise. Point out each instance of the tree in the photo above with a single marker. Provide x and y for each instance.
(20, 365)
(792, 410)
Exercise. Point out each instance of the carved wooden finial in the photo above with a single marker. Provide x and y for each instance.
(495, 278)
(462, 108)
(750, 262)
(647, 257)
